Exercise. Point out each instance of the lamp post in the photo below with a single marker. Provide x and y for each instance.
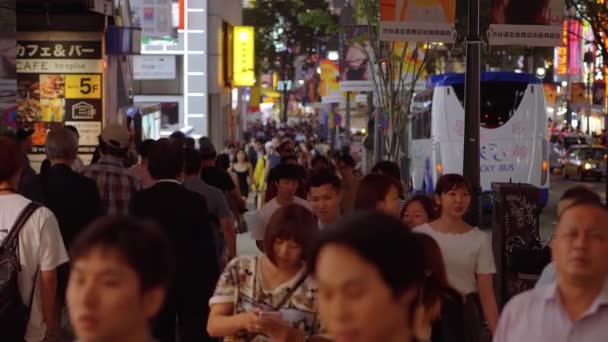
(588, 59)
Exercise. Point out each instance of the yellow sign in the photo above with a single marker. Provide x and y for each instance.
(83, 86)
(244, 73)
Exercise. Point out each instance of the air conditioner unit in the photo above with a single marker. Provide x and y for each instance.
(101, 6)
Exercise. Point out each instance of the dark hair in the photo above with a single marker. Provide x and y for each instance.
(429, 206)
(189, 142)
(145, 147)
(179, 135)
(451, 181)
(383, 242)
(347, 159)
(222, 161)
(208, 154)
(205, 143)
(236, 160)
(325, 178)
(320, 162)
(144, 247)
(292, 222)
(285, 147)
(289, 158)
(192, 161)
(73, 129)
(388, 168)
(580, 193)
(584, 203)
(374, 188)
(287, 171)
(10, 158)
(166, 159)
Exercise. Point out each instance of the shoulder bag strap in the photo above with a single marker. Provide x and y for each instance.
(290, 292)
(10, 241)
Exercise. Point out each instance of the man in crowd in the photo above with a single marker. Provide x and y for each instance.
(121, 273)
(287, 156)
(325, 197)
(39, 251)
(115, 183)
(73, 198)
(287, 178)
(575, 307)
(24, 139)
(221, 216)
(350, 183)
(571, 196)
(184, 217)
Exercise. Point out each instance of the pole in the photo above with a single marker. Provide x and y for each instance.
(472, 112)
(589, 103)
(377, 132)
(568, 110)
(347, 119)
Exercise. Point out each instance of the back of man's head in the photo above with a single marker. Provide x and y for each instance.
(166, 160)
(61, 144)
(192, 162)
(287, 171)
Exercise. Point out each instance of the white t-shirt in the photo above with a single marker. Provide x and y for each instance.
(465, 255)
(266, 212)
(40, 247)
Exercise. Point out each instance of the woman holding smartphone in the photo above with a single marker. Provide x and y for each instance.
(270, 297)
(467, 252)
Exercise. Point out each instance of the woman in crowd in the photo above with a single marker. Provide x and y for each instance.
(450, 325)
(244, 172)
(417, 211)
(271, 297)
(378, 192)
(370, 281)
(467, 252)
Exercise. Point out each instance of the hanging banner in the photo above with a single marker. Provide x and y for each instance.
(329, 86)
(578, 97)
(244, 56)
(418, 20)
(59, 80)
(355, 67)
(525, 22)
(550, 94)
(599, 94)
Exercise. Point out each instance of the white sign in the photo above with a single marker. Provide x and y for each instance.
(71, 66)
(89, 132)
(153, 17)
(154, 67)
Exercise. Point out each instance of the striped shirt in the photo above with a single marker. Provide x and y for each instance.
(115, 183)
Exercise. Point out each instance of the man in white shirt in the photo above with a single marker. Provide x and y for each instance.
(286, 178)
(41, 248)
(325, 197)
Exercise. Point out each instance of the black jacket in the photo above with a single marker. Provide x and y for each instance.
(451, 325)
(73, 199)
(184, 217)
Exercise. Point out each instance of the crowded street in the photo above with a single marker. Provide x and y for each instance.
(303, 171)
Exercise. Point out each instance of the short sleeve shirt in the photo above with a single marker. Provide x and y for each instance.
(241, 285)
(216, 201)
(40, 249)
(465, 255)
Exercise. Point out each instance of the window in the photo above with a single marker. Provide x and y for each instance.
(421, 115)
(499, 101)
(591, 153)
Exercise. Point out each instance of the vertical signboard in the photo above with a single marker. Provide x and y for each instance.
(8, 75)
(59, 81)
(329, 85)
(418, 20)
(355, 67)
(525, 22)
(244, 51)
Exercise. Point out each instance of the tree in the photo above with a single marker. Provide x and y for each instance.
(595, 12)
(286, 31)
(397, 67)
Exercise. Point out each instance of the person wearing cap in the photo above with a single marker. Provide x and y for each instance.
(115, 183)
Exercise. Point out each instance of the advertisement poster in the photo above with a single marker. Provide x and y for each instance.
(355, 68)
(569, 67)
(329, 85)
(550, 94)
(147, 67)
(525, 22)
(599, 95)
(59, 82)
(578, 96)
(418, 20)
(154, 17)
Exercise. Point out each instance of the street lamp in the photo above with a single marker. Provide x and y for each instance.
(588, 59)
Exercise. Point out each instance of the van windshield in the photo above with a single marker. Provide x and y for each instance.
(499, 101)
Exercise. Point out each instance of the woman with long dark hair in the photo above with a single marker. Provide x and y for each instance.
(378, 192)
(244, 172)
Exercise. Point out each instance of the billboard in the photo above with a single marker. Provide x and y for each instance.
(244, 56)
(525, 22)
(355, 67)
(418, 20)
(59, 80)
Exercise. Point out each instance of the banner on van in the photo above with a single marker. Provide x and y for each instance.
(525, 22)
(418, 20)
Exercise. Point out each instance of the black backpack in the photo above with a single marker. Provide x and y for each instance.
(14, 314)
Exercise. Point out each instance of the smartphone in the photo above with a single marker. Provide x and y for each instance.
(272, 315)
